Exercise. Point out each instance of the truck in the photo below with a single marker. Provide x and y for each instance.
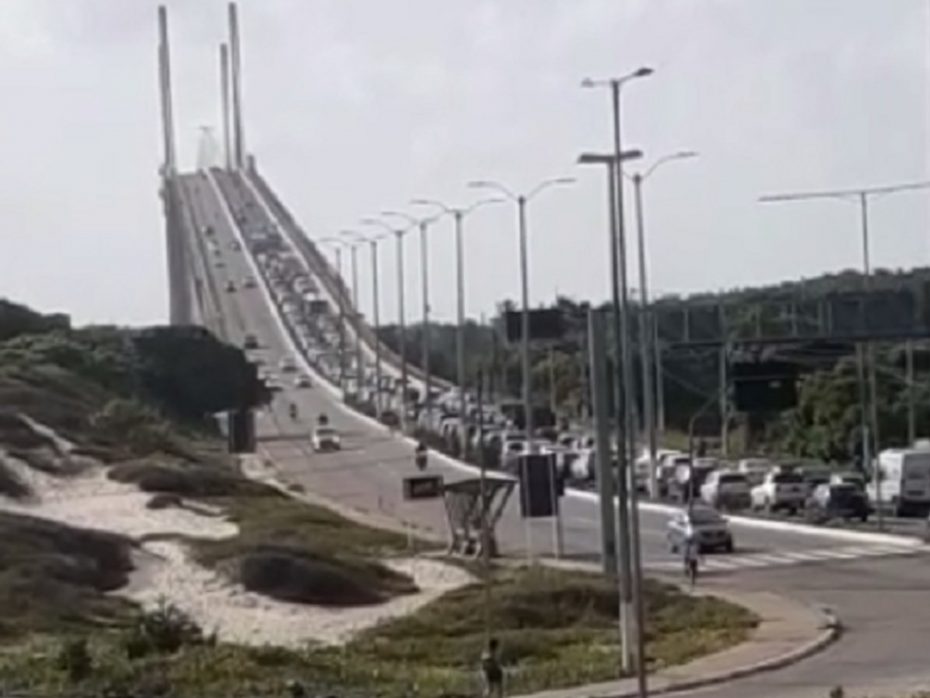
(903, 486)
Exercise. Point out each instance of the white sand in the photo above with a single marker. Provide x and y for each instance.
(166, 571)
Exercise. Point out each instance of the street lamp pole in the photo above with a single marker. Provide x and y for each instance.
(521, 200)
(459, 215)
(625, 541)
(359, 363)
(645, 331)
(625, 422)
(376, 316)
(423, 225)
(401, 321)
(337, 246)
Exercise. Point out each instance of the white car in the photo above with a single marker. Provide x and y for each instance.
(303, 381)
(726, 489)
(248, 282)
(287, 365)
(780, 490)
(325, 439)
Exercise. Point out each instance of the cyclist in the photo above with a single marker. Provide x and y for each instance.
(692, 556)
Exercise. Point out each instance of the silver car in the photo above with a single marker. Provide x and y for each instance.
(702, 524)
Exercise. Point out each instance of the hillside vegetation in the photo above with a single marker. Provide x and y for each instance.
(825, 424)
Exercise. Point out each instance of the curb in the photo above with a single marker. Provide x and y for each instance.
(832, 629)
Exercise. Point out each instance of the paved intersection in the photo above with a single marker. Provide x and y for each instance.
(878, 590)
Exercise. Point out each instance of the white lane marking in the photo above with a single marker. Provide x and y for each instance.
(785, 558)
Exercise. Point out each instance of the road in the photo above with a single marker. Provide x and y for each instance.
(878, 590)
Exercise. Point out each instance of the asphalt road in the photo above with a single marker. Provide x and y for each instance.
(878, 591)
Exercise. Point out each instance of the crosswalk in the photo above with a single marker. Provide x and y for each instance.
(747, 561)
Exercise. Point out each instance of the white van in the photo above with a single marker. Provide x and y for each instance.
(904, 481)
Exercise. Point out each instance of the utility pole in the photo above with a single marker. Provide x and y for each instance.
(909, 379)
(660, 377)
(597, 356)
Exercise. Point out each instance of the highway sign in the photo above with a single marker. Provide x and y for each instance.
(423, 487)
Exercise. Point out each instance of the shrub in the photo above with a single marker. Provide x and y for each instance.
(74, 659)
(163, 630)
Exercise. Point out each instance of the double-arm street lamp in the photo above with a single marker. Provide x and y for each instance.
(398, 234)
(350, 238)
(521, 200)
(645, 331)
(423, 224)
(631, 584)
(459, 215)
(337, 244)
(376, 313)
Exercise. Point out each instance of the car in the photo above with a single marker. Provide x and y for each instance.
(303, 381)
(248, 282)
(781, 489)
(325, 438)
(230, 287)
(726, 489)
(754, 469)
(702, 524)
(848, 477)
(287, 365)
(250, 341)
(235, 246)
(837, 501)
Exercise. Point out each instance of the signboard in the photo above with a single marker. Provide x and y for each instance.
(423, 487)
(539, 486)
(241, 431)
(546, 324)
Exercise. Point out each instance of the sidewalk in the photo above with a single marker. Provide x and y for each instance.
(788, 631)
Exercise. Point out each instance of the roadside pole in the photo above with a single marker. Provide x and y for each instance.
(604, 474)
(482, 488)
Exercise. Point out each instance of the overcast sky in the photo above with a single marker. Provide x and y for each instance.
(355, 106)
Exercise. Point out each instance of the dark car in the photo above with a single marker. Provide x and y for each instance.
(837, 501)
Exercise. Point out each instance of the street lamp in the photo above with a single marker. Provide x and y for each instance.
(376, 314)
(423, 224)
(521, 201)
(398, 234)
(625, 441)
(645, 334)
(338, 244)
(459, 214)
(351, 235)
